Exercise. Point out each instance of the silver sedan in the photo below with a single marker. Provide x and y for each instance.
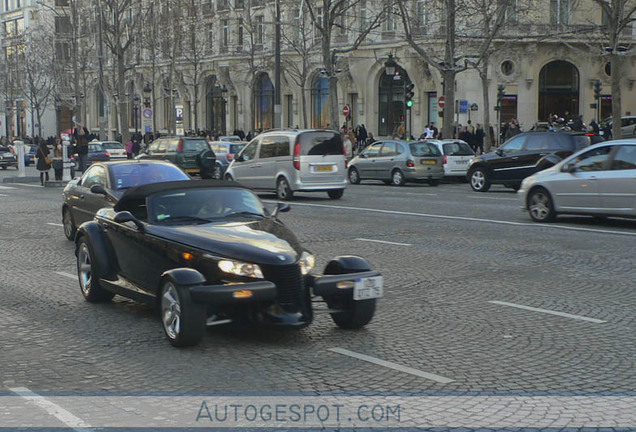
(598, 181)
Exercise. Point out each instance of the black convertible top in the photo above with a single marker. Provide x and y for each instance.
(135, 194)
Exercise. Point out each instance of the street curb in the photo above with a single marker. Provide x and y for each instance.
(55, 183)
(26, 179)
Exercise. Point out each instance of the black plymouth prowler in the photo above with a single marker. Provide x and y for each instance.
(208, 252)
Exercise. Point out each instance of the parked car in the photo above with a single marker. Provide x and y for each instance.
(397, 162)
(103, 184)
(523, 155)
(292, 161)
(628, 126)
(7, 158)
(599, 180)
(224, 152)
(230, 138)
(96, 153)
(115, 149)
(208, 252)
(191, 154)
(457, 154)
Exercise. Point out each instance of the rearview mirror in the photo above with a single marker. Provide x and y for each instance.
(281, 208)
(126, 216)
(499, 152)
(98, 189)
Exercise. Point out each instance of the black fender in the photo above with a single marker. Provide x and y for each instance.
(183, 276)
(100, 247)
(347, 264)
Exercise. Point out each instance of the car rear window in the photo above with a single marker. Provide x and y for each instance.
(424, 149)
(458, 149)
(320, 144)
(235, 148)
(195, 145)
(95, 148)
(113, 146)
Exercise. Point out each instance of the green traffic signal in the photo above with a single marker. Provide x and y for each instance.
(409, 103)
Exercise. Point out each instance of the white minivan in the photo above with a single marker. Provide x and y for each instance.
(289, 161)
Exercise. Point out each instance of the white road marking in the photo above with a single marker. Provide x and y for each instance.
(29, 185)
(383, 241)
(68, 275)
(6, 187)
(391, 365)
(546, 311)
(493, 198)
(4, 195)
(464, 218)
(55, 224)
(56, 411)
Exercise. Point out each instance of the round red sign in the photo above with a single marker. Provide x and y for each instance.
(441, 101)
(346, 110)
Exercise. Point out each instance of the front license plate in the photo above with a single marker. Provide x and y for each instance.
(367, 288)
(427, 162)
(323, 168)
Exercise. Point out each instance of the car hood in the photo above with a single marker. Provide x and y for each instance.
(265, 241)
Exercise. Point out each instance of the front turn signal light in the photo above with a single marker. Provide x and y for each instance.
(242, 294)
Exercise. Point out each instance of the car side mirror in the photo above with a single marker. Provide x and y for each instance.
(239, 158)
(569, 168)
(126, 216)
(281, 208)
(99, 190)
(363, 155)
(499, 152)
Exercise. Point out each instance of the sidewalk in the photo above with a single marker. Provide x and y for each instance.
(10, 175)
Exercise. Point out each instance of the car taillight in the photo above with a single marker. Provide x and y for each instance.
(410, 163)
(445, 160)
(107, 154)
(180, 147)
(297, 154)
(590, 134)
(230, 157)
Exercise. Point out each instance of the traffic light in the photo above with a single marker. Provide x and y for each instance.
(598, 88)
(409, 94)
(501, 93)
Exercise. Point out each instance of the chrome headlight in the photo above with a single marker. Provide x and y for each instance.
(307, 262)
(241, 269)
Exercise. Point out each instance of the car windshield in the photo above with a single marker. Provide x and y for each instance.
(424, 149)
(113, 146)
(458, 148)
(203, 205)
(127, 175)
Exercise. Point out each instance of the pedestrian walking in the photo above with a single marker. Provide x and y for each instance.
(129, 149)
(136, 147)
(81, 142)
(479, 139)
(44, 161)
(58, 160)
(349, 141)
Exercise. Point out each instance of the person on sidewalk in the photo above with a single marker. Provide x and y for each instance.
(44, 162)
(58, 160)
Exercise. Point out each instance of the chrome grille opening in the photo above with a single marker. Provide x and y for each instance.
(289, 283)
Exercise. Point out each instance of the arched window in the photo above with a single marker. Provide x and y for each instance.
(263, 103)
(320, 110)
(559, 90)
(215, 106)
(391, 101)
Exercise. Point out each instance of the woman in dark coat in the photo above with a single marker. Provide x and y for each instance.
(41, 154)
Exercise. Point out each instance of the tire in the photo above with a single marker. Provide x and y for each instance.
(540, 205)
(433, 182)
(397, 178)
(228, 177)
(217, 173)
(357, 313)
(182, 320)
(478, 180)
(354, 176)
(335, 193)
(90, 287)
(69, 224)
(283, 191)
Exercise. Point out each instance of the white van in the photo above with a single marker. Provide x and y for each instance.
(289, 161)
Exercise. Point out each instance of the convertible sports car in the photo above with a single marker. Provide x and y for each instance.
(102, 184)
(208, 252)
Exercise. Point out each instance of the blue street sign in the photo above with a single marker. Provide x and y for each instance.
(463, 106)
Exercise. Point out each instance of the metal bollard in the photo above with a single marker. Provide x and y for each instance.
(66, 174)
(20, 151)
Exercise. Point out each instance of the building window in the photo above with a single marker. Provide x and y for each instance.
(511, 11)
(6, 5)
(391, 101)
(239, 4)
(210, 35)
(18, 3)
(363, 15)
(61, 2)
(317, 33)
(224, 42)
(320, 110)
(259, 30)
(63, 25)
(391, 23)
(423, 9)
(560, 11)
(240, 32)
(507, 68)
(263, 103)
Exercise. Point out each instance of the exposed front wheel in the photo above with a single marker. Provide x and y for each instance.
(354, 177)
(357, 316)
(69, 225)
(478, 180)
(397, 178)
(88, 277)
(335, 193)
(540, 206)
(283, 191)
(183, 321)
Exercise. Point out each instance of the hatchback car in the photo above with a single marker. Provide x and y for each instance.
(396, 162)
(292, 161)
(7, 158)
(599, 181)
(225, 153)
(103, 184)
(628, 126)
(208, 252)
(191, 154)
(115, 149)
(457, 154)
(523, 155)
(96, 153)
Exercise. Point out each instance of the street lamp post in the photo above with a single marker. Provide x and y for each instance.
(136, 114)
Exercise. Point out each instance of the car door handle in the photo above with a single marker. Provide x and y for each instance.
(255, 166)
(515, 157)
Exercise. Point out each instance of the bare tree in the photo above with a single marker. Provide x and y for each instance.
(326, 16)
